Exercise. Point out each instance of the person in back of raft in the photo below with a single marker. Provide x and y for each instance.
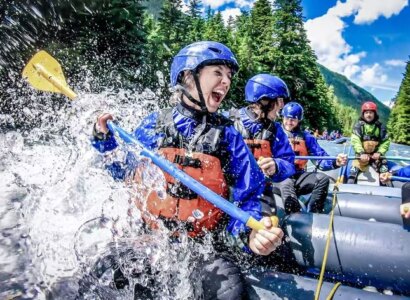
(405, 189)
(302, 183)
(369, 141)
(206, 146)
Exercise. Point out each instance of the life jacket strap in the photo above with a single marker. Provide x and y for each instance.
(178, 190)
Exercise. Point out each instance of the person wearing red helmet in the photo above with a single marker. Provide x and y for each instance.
(369, 141)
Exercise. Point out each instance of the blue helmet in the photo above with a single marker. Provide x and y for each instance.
(293, 110)
(265, 86)
(201, 54)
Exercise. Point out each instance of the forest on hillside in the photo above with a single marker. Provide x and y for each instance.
(124, 46)
(399, 121)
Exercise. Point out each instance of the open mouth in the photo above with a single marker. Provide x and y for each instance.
(217, 96)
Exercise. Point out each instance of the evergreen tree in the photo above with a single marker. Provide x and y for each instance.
(241, 45)
(153, 7)
(195, 22)
(346, 116)
(109, 38)
(295, 62)
(399, 120)
(104, 39)
(231, 23)
(209, 13)
(194, 8)
(172, 29)
(261, 31)
(215, 29)
(152, 61)
(169, 38)
(122, 34)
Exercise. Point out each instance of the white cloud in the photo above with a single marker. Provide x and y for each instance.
(239, 4)
(395, 63)
(367, 11)
(351, 70)
(326, 37)
(344, 9)
(372, 75)
(215, 3)
(185, 6)
(218, 3)
(371, 10)
(377, 40)
(244, 3)
(230, 12)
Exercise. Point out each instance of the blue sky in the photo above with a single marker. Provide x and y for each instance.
(368, 41)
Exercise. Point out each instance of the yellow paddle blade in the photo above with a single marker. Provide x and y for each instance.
(44, 73)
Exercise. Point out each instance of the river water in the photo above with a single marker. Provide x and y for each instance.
(60, 210)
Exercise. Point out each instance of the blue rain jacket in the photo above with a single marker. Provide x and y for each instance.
(403, 172)
(245, 176)
(314, 149)
(282, 152)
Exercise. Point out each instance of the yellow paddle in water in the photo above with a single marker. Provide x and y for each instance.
(44, 73)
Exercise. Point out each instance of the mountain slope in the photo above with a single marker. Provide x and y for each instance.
(351, 94)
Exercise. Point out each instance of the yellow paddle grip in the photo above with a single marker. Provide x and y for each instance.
(254, 224)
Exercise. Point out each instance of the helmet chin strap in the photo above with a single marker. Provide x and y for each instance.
(200, 103)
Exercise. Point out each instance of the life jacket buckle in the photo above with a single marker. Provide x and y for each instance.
(187, 161)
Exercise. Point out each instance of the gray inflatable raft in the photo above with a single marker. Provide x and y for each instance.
(273, 285)
(368, 190)
(361, 252)
(367, 207)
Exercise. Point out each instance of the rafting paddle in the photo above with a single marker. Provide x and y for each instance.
(44, 72)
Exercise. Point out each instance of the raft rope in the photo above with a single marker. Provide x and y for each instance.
(333, 291)
(329, 236)
(326, 252)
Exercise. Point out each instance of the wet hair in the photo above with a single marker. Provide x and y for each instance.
(257, 110)
(187, 81)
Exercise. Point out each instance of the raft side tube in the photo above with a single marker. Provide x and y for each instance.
(368, 190)
(274, 285)
(361, 252)
(366, 207)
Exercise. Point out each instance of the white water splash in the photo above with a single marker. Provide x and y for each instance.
(53, 182)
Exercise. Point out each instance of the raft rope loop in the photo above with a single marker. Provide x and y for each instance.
(329, 236)
(333, 291)
(326, 252)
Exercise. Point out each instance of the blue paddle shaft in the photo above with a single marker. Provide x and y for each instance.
(398, 178)
(316, 157)
(226, 206)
